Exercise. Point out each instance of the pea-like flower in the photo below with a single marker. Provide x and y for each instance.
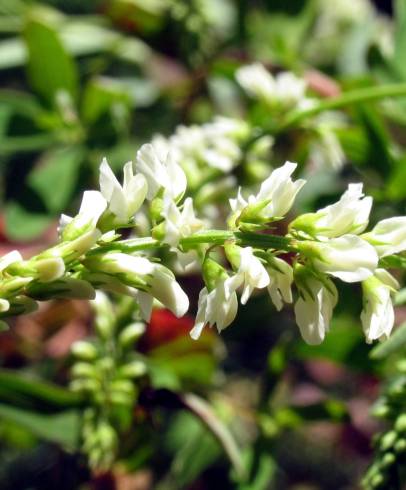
(166, 174)
(179, 223)
(10, 258)
(349, 257)
(274, 199)
(92, 207)
(285, 89)
(251, 274)
(314, 307)
(388, 236)
(123, 200)
(280, 282)
(216, 307)
(150, 277)
(348, 215)
(378, 315)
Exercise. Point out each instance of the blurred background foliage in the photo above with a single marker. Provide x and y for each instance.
(80, 80)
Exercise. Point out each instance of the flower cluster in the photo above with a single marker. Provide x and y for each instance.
(288, 91)
(105, 372)
(329, 244)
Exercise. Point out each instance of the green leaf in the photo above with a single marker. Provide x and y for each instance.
(396, 342)
(61, 165)
(378, 157)
(26, 391)
(396, 188)
(24, 224)
(99, 97)
(50, 67)
(194, 448)
(62, 428)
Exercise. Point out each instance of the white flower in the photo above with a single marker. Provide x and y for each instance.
(285, 89)
(377, 315)
(226, 126)
(388, 236)
(150, 277)
(280, 282)
(92, 207)
(326, 151)
(123, 201)
(251, 274)
(217, 307)
(4, 305)
(160, 174)
(348, 257)
(314, 308)
(290, 89)
(349, 215)
(256, 81)
(277, 194)
(10, 258)
(48, 269)
(179, 223)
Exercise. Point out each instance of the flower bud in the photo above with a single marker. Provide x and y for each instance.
(65, 287)
(84, 370)
(131, 333)
(400, 424)
(388, 440)
(83, 349)
(134, 369)
(43, 269)
(105, 319)
(4, 305)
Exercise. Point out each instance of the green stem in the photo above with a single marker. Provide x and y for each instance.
(346, 99)
(210, 237)
(343, 100)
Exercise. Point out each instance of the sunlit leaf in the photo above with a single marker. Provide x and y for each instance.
(50, 67)
(61, 428)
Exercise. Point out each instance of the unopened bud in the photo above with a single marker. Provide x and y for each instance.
(131, 333)
(388, 440)
(388, 460)
(85, 385)
(105, 322)
(122, 386)
(83, 349)
(400, 424)
(400, 446)
(134, 369)
(83, 369)
(4, 305)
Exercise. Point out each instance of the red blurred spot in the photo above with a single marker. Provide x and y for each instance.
(164, 327)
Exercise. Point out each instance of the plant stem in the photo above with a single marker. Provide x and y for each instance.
(342, 100)
(210, 237)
